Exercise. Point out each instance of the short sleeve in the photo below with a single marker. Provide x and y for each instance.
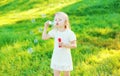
(72, 36)
(52, 33)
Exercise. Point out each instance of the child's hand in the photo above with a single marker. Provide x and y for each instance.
(69, 45)
(61, 44)
(46, 24)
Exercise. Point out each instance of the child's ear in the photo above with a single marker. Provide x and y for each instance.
(65, 26)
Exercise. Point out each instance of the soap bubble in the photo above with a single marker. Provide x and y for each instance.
(35, 41)
(33, 20)
(51, 23)
(43, 15)
(40, 29)
(30, 50)
(31, 32)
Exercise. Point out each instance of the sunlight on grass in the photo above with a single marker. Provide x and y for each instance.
(3, 2)
(102, 31)
(85, 69)
(104, 54)
(13, 17)
(99, 64)
(9, 48)
(24, 46)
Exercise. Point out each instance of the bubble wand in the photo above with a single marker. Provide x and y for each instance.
(59, 40)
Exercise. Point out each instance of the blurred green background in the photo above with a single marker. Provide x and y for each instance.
(96, 24)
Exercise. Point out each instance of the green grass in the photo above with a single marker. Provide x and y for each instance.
(95, 22)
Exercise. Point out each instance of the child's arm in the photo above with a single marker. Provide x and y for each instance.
(72, 44)
(45, 36)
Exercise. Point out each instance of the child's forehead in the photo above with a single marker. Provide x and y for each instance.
(59, 16)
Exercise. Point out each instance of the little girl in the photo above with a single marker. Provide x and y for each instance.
(64, 40)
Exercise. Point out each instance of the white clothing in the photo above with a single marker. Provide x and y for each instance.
(61, 57)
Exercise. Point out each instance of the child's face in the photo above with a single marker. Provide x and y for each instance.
(59, 20)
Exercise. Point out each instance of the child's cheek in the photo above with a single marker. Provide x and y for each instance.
(61, 22)
(55, 22)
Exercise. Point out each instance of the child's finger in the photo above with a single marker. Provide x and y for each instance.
(60, 44)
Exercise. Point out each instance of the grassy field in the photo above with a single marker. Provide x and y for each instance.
(95, 22)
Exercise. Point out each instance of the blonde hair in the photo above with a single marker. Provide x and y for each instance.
(67, 24)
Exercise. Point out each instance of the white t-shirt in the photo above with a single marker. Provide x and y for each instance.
(61, 57)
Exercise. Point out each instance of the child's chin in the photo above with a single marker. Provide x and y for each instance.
(57, 25)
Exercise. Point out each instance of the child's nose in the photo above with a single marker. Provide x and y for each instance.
(57, 23)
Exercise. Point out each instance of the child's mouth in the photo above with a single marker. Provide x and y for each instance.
(57, 24)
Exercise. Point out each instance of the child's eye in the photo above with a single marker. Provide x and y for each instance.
(60, 19)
